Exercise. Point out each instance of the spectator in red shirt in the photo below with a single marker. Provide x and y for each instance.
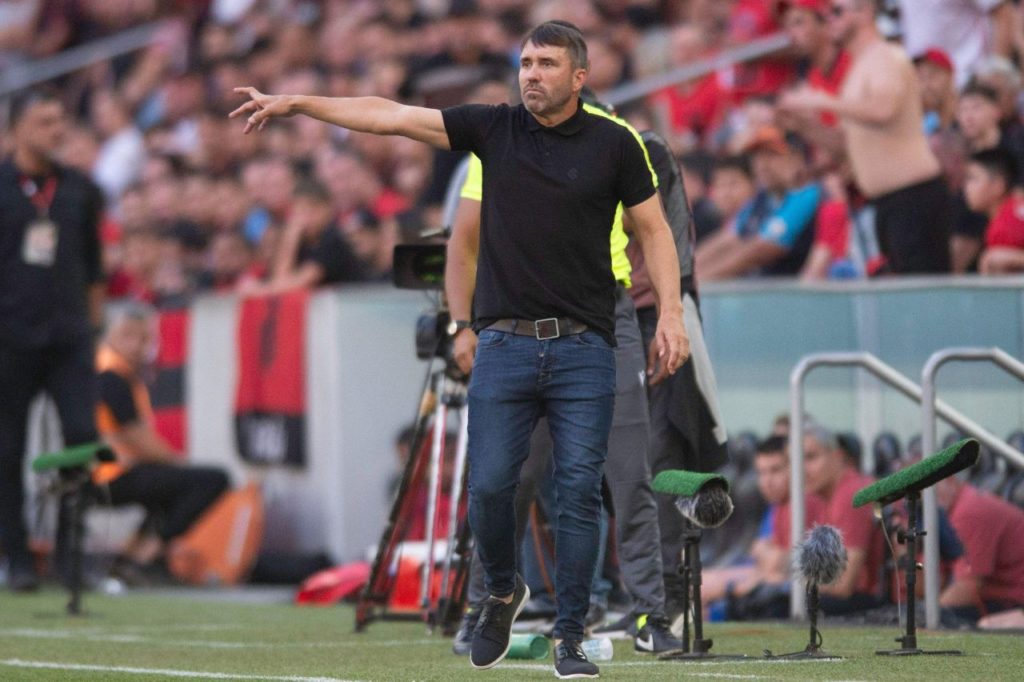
(770, 552)
(990, 575)
(829, 475)
(823, 66)
(989, 189)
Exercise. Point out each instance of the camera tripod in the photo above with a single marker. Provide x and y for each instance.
(445, 391)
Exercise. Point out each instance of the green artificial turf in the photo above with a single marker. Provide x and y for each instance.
(196, 636)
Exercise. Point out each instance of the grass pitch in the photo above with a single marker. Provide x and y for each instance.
(193, 635)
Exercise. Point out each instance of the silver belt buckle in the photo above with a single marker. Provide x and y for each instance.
(541, 327)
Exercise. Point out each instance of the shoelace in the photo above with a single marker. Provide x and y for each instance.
(574, 649)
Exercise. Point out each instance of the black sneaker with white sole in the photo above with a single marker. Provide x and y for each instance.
(654, 636)
(493, 633)
(571, 662)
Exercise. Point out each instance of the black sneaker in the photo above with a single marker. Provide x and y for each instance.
(571, 662)
(463, 641)
(654, 636)
(492, 635)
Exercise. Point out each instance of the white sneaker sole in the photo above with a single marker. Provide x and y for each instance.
(576, 676)
(499, 659)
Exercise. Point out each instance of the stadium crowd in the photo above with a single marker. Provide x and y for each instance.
(193, 205)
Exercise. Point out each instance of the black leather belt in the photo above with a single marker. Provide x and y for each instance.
(548, 328)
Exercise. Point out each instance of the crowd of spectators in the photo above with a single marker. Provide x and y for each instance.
(193, 205)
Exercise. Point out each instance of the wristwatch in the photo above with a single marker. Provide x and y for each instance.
(456, 326)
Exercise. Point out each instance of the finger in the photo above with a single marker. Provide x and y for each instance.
(244, 109)
(652, 358)
(248, 90)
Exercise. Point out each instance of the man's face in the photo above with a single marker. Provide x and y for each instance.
(822, 466)
(773, 170)
(132, 339)
(730, 190)
(843, 16)
(547, 79)
(936, 84)
(773, 476)
(41, 128)
(982, 190)
(805, 29)
(978, 116)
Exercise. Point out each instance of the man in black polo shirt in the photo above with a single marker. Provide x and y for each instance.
(544, 305)
(51, 298)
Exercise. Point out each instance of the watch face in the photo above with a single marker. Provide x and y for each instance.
(453, 327)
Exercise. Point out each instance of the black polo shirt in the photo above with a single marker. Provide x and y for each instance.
(43, 305)
(549, 200)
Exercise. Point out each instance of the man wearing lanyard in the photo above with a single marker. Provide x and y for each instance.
(51, 300)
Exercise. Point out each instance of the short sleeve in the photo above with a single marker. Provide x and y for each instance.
(473, 186)
(636, 179)
(468, 124)
(794, 216)
(116, 394)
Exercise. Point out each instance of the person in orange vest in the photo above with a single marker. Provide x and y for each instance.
(148, 471)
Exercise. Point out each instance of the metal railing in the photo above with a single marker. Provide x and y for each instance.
(1001, 359)
(901, 383)
(24, 74)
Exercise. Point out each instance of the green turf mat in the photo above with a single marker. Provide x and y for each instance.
(684, 483)
(193, 635)
(930, 470)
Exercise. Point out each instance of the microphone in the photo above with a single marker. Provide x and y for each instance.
(821, 557)
(709, 508)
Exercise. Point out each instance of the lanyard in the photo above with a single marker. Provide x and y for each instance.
(41, 198)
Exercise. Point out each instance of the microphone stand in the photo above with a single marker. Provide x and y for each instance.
(813, 649)
(690, 570)
(909, 537)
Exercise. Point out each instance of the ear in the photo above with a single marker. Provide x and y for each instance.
(579, 78)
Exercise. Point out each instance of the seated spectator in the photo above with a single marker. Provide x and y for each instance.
(989, 189)
(230, 261)
(844, 245)
(312, 251)
(148, 471)
(732, 187)
(989, 578)
(829, 475)
(772, 234)
(696, 170)
(769, 555)
(938, 90)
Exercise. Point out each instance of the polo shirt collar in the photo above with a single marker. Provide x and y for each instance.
(569, 126)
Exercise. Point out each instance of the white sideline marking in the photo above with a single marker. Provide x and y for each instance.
(612, 664)
(195, 674)
(96, 636)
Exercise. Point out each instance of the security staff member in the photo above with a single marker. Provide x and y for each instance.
(51, 298)
(686, 424)
(545, 299)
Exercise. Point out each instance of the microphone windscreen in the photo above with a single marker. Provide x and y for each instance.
(821, 557)
(709, 508)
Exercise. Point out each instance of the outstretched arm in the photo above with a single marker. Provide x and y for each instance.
(363, 114)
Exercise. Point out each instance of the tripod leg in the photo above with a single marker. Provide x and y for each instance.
(700, 645)
(434, 478)
(455, 495)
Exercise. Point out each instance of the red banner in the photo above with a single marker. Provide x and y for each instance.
(270, 401)
(167, 391)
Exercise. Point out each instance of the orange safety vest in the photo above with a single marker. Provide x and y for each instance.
(107, 360)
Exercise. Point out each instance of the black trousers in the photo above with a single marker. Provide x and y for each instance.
(67, 375)
(913, 226)
(174, 495)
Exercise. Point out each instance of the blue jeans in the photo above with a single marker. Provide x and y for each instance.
(515, 381)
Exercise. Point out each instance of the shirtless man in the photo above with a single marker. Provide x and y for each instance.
(879, 108)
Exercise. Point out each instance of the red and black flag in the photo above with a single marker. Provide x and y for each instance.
(270, 404)
(167, 391)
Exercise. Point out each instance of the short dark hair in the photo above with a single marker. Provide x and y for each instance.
(560, 34)
(24, 100)
(737, 163)
(998, 162)
(976, 88)
(773, 445)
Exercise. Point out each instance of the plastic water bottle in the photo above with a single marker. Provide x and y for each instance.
(598, 649)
